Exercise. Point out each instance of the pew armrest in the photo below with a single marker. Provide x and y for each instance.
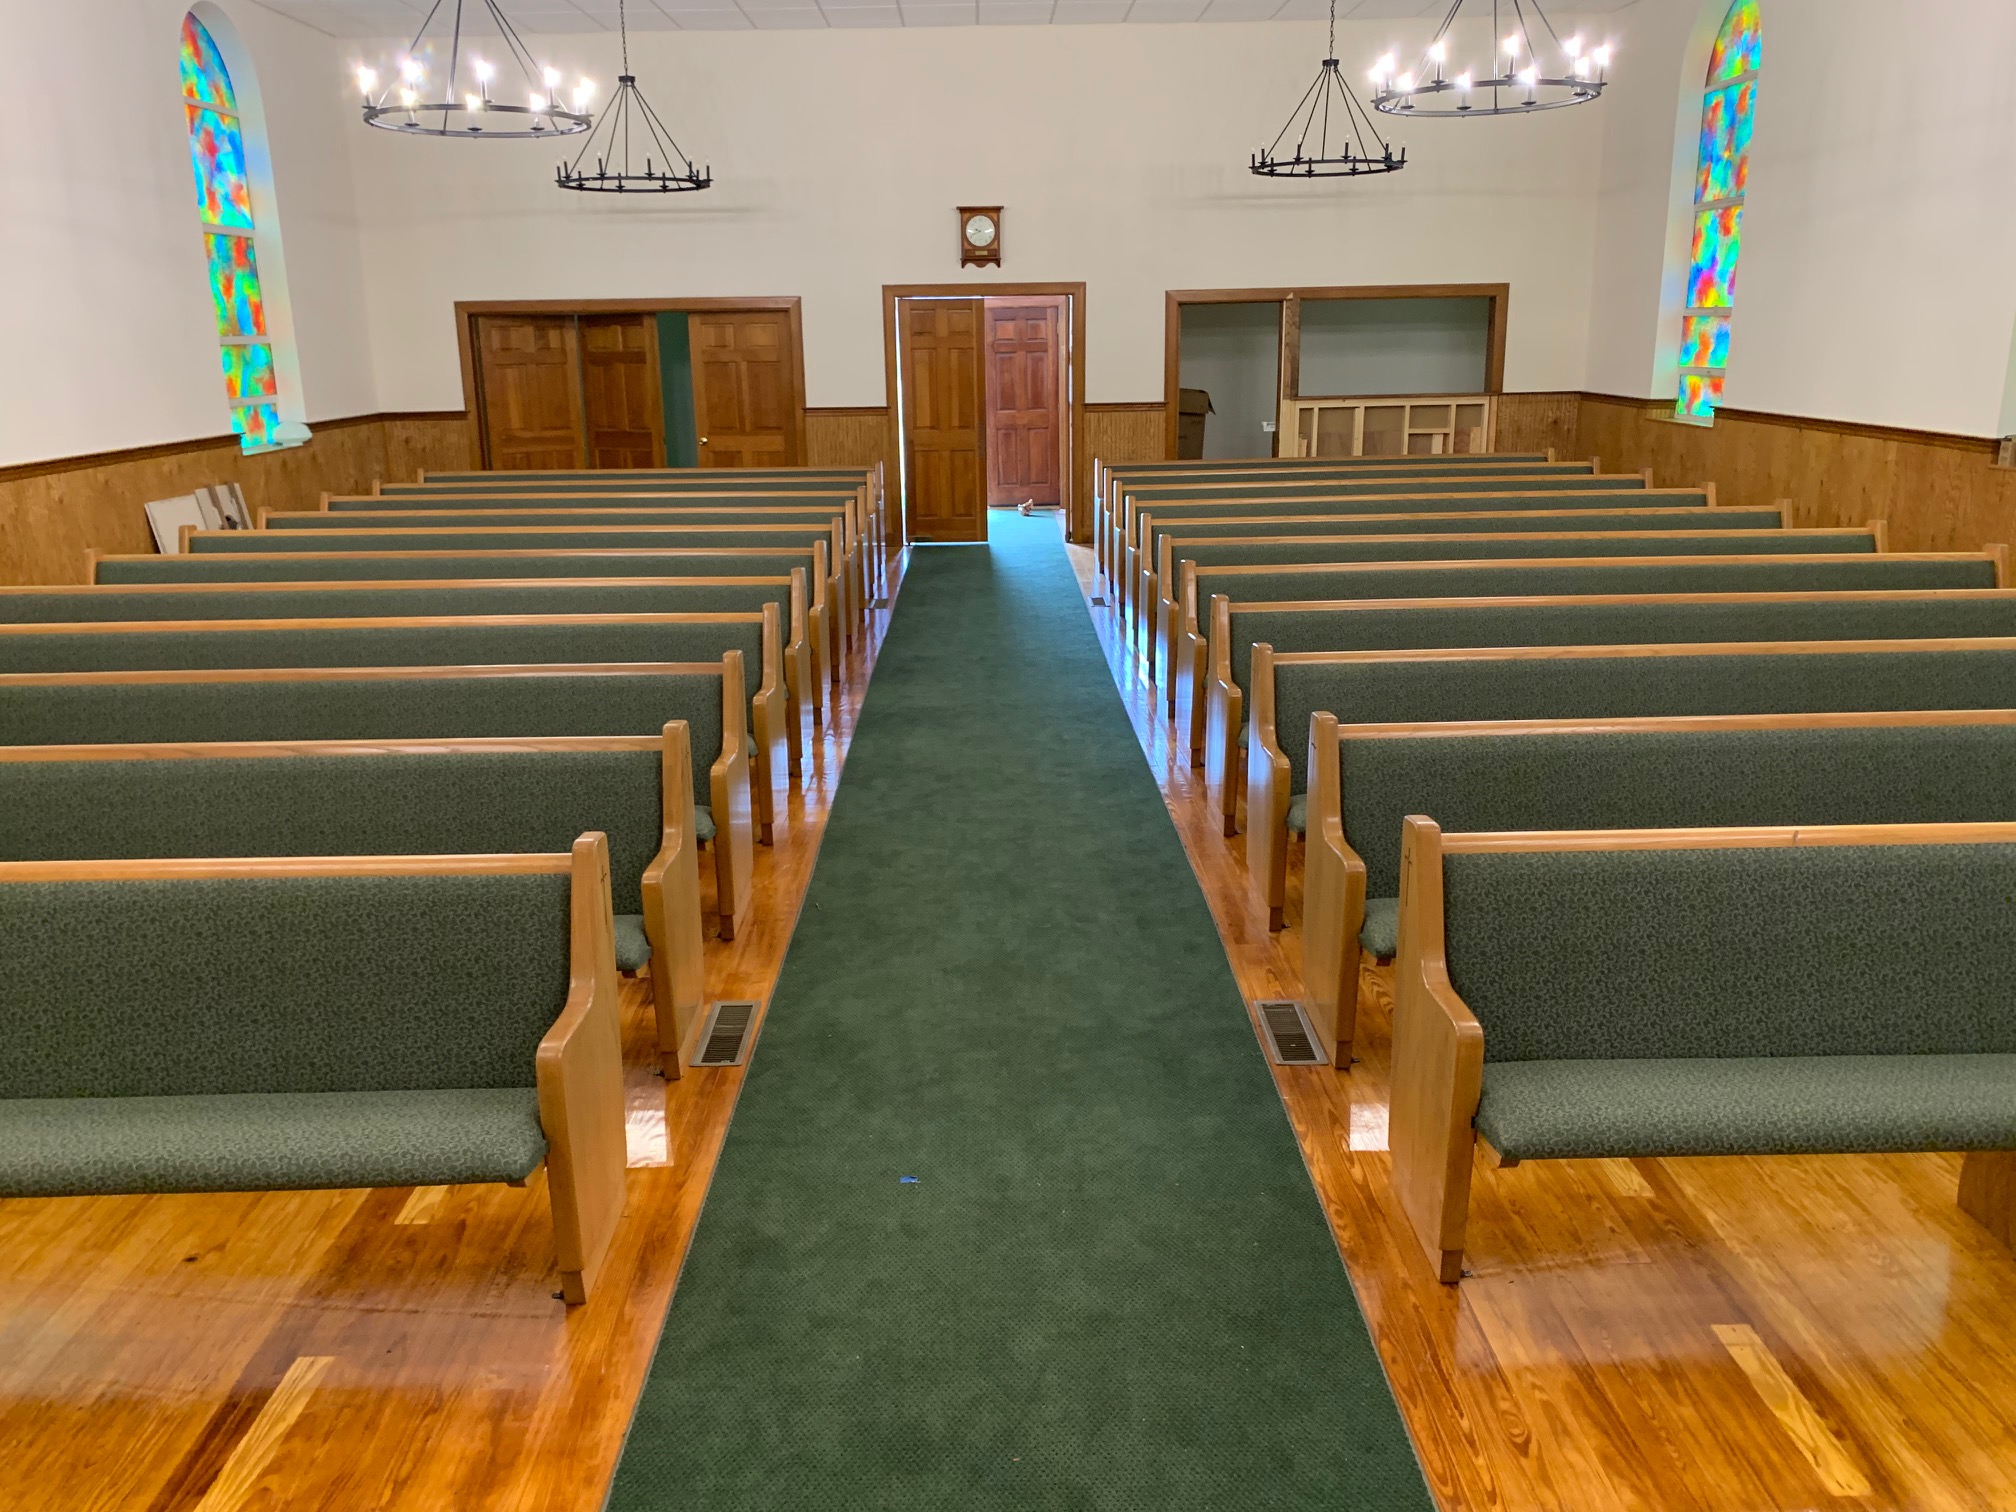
(671, 891)
(1268, 780)
(580, 1080)
(1333, 900)
(731, 793)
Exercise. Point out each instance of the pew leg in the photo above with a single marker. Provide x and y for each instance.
(1988, 1192)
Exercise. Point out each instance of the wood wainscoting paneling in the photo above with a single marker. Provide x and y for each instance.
(1534, 422)
(51, 513)
(844, 437)
(1124, 432)
(1939, 492)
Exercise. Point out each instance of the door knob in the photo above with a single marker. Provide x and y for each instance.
(703, 440)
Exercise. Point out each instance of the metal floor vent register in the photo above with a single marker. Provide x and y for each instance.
(727, 1035)
(1290, 1040)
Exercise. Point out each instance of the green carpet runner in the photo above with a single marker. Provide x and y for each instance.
(1010, 1215)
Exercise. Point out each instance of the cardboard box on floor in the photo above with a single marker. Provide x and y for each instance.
(1192, 405)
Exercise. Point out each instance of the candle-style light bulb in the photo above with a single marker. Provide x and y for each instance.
(408, 98)
(583, 93)
(367, 82)
(1512, 47)
(485, 72)
(411, 71)
(538, 104)
(552, 77)
(1573, 46)
(473, 101)
(1438, 51)
(1405, 83)
(1464, 80)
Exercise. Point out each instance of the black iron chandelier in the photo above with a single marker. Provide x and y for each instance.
(627, 110)
(1312, 112)
(1528, 72)
(468, 107)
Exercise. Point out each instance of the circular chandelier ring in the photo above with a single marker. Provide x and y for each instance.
(1399, 102)
(559, 122)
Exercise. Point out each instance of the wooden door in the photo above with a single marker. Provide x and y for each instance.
(744, 393)
(944, 400)
(529, 379)
(624, 413)
(1025, 402)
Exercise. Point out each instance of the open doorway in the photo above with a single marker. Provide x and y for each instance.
(986, 403)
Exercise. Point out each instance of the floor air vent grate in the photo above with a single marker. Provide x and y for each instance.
(1289, 1037)
(1099, 601)
(727, 1035)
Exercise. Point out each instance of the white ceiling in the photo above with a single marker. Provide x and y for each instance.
(401, 18)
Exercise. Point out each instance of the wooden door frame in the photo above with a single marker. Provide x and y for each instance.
(1290, 298)
(468, 310)
(1077, 479)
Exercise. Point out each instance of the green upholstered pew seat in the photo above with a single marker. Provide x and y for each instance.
(423, 703)
(272, 1025)
(371, 798)
(1698, 992)
(1824, 769)
(519, 640)
(1583, 620)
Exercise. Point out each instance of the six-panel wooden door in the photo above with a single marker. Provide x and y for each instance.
(945, 392)
(623, 410)
(528, 367)
(742, 391)
(1025, 401)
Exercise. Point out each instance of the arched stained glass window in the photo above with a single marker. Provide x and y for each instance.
(1720, 178)
(224, 206)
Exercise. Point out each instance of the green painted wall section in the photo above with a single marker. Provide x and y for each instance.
(675, 372)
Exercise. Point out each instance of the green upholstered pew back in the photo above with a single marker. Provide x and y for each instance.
(451, 538)
(1763, 522)
(1400, 691)
(455, 801)
(1843, 573)
(614, 596)
(1828, 950)
(1668, 779)
(182, 986)
(1545, 481)
(426, 514)
(559, 701)
(442, 643)
(1736, 618)
(221, 567)
(1679, 542)
(727, 480)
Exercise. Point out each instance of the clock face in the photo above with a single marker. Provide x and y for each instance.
(980, 231)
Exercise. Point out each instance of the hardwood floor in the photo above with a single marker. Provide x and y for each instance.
(402, 1348)
(1728, 1334)
(1725, 1334)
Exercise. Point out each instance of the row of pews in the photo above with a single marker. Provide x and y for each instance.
(323, 844)
(1688, 832)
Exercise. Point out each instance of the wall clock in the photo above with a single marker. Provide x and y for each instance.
(980, 235)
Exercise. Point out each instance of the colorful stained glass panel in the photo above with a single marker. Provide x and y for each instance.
(1704, 341)
(1726, 118)
(205, 79)
(255, 424)
(248, 372)
(1739, 46)
(1718, 239)
(217, 154)
(1700, 395)
(234, 285)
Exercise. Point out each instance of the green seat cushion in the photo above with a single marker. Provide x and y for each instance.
(703, 823)
(255, 1142)
(633, 950)
(1380, 934)
(1791, 1105)
(1298, 814)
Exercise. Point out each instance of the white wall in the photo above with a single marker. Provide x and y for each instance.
(1878, 277)
(106, 311)
(1119, 152)
(1233, 353)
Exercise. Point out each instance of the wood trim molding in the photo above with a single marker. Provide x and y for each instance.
(847, 411)
(51, 466)
(1127, 407)
(1955, 440)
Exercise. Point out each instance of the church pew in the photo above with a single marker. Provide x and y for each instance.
(1335, 582)
(1112, 483)
(341, 568)
(1553, 1000)
(861, 539)
(316, 1023)
(1130, 499)
(1582, 620)
(843, 624)
(1434, 686)
(1430, 496)
(1943, 767)
(380, 797)
(1160, 580)
(423, 703)
(401, 599)
(469, 640)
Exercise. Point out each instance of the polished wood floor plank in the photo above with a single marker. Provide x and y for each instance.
(248, 1461)
(1579, 1364)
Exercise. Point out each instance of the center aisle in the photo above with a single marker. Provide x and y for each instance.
(1010, 1215)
